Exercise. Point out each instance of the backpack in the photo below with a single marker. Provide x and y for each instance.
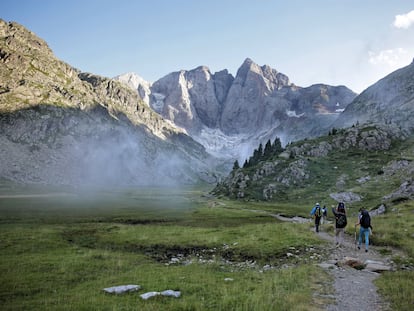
(318, 212)
(341, 221)
(365, 220)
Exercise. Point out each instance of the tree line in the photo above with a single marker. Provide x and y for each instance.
(262, 154)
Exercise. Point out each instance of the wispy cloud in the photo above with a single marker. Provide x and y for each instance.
(404, 20)
(392, 57)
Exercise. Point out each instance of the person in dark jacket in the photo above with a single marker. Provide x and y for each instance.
(340, 223)
(365, 229)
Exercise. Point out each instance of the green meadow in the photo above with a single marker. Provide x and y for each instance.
(60, 249)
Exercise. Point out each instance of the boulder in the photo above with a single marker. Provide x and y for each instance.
(376, 266)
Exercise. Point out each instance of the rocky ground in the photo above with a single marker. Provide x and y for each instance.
(354, 288)
(353, 270)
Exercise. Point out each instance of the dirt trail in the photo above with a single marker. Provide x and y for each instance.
(353, 289)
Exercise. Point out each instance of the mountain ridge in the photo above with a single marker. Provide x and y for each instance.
(53, 115)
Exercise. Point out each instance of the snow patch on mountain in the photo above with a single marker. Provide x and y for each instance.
(225, 146)
(292, 113)
(237, 146)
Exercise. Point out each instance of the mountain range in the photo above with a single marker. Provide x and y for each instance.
(229, 115)
(62, 126)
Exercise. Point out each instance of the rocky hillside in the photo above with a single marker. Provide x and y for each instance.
(229, 114)
(58, 125)
(389, 101)
(369, 165)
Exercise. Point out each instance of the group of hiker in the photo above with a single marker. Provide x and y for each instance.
(320, 215)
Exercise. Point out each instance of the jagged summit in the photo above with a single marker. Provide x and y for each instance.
(18, 37)
(272, 78)
(138, 83)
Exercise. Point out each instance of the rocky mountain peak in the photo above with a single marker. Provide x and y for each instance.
(271, 77)
(18, 37)
(138, 83)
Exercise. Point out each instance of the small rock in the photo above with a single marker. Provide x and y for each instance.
(121, 289)
(149, 295)
(171, 293)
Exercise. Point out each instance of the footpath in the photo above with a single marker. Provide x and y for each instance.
(354, 272)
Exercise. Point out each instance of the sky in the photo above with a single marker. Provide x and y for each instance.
(337, 42)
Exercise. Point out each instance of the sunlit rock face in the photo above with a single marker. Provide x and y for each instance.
(230, 115)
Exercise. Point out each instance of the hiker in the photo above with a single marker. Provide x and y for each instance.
(364, 221)
(317, 214)
(340, 223)
(324, 214)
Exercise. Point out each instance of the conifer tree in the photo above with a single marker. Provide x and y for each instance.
(260, 152)
(277, 146)
(236, 165)
(267, 153)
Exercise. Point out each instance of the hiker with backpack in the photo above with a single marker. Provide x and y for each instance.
(340, 223)
(317, 214)
(364, 221)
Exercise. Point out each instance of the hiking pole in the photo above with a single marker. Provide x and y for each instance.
(355, 238)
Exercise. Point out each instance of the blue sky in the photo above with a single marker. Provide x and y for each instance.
(337, 42)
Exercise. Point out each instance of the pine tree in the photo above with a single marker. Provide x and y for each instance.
(236, 165)
(267, 153)
(277, 146)
(260, 151)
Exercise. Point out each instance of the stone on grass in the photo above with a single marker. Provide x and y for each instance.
(149, 295)
(121, 289)
(171, 293)
(168, 293)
